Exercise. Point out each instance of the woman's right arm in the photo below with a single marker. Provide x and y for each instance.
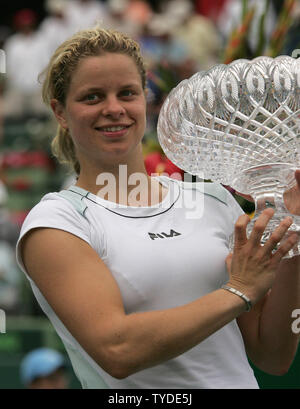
(85, 296)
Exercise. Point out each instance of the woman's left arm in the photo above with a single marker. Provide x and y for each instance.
(270, 341)
(267, 331)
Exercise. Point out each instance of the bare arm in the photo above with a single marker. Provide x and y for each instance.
(85, 296)
(267, 330)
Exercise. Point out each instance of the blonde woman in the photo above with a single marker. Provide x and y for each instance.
(131, 284)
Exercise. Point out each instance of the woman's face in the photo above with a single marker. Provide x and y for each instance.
(105, 109)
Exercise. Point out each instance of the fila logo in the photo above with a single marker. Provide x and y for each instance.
(162, 235)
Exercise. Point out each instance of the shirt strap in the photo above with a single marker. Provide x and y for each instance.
(216, 190)
(75, 196)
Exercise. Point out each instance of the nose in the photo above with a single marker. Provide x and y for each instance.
(113, 107)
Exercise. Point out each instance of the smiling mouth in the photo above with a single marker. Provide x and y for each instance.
(112, 129)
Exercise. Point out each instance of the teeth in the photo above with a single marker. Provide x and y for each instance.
(114, 128)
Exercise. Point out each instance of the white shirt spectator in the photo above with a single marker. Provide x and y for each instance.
(118, 20)
(26, 57)
(54, 31)
(85, 13)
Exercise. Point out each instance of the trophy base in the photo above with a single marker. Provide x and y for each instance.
(267, 184)
(272, 225)
(261, 180)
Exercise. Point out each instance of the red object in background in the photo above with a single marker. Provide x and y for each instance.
(157, 163)
(210, 9)
(20, 184)
(18, 217)
(24, 17)
(26, 159)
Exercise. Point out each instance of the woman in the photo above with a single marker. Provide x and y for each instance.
(130, 282)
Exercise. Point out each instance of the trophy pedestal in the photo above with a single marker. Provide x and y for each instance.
(267, 184)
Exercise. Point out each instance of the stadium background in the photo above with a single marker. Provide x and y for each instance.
(28, 171)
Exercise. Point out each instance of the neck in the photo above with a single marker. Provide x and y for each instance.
(122, 183)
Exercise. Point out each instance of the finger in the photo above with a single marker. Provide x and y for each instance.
(297, 177)
(277, 235)
(260, 226)
(240, 235)
(228, 261)
(285, 247)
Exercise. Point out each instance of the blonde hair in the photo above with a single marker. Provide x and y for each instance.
(58, 74)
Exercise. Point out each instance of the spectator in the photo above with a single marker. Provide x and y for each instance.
(25, 57)
(159, 44)
(139, 12)
(197, 34)
(44, 368)
(55, 28)
(117, 19)
(210, 9)
(85, 13)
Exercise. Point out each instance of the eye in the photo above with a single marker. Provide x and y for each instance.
(92, 97)
(127, 93)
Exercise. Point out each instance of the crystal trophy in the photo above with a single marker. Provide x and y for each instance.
(239, 125)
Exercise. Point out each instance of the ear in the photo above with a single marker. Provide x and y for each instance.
(59, 112)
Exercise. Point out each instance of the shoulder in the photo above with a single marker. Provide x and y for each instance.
(56, 211)
(53, 205)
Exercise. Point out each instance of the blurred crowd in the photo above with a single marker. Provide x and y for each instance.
(177, 38)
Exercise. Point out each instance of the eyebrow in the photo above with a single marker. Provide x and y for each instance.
(100, 89)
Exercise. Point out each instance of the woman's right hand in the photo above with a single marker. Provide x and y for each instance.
(252, 266)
